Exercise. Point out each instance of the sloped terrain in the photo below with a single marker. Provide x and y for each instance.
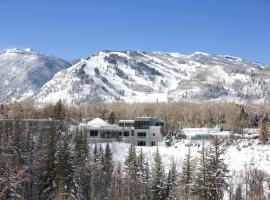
(132, 76)
(23, 72)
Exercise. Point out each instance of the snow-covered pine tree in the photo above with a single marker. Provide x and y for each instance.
(131, 174)
(116, 191)
(108, 167)
(187, 177)
(264, 127)
(81, 150)
(46, 158)
(217, 170)
(143, 176)
(81, 156)
(172, 181)
(111, 117)
(200, 185)
(158, 177)
(95, 152)
(98, 189)
(238, 193)
(66, 180)
(59, 111)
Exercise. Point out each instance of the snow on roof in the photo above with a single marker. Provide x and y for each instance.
(203, 131)
(126, 120)
(98, 122)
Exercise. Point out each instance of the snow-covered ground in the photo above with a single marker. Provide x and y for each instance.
(241, 154)
(133, 76)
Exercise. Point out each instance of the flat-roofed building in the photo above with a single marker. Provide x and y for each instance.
(142, 131)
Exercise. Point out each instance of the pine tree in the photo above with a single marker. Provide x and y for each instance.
(108, 166)
(111, 118)
(81, 150)
(238, 193)
(158, 178)
(264, 135)
(187, 175)
(66, 180)
(46, 160)
(81, 156)
(217, 171)
(172, 181)
(131, 176)
(116, 191)
(98, 181)
(95, 152)
(59, 111)
(143, 176)
(201, 182)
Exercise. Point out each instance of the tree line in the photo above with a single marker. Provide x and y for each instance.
(177, 115)
(56, 165)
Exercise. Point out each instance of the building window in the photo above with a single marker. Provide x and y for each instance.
(93, 133)
(141, 124)
(141, 134)
(154, 134)
(132, 133)
(126, 133)
(153, 143)
(141, 143)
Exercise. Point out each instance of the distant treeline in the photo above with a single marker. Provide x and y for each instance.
(228, 116)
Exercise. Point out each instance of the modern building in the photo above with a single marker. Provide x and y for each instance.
(142, 131)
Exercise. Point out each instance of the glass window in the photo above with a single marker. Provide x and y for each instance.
(132, 133)
(153, 143)
(141, 134)
(141, 143)
(126, 133)
(93, 133)
(121, 124)
(154, 134)
(141, 124)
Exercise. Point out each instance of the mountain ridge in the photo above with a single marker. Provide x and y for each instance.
(138, 76)
(24, 71)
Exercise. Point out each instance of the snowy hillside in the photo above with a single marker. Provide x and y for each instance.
(241, 154)
(23, 72)
(149, 77)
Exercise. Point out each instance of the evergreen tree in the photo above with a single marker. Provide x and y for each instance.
(112, 118)
(81, 156)
(99, 188)
(108, 161)
(131, 177)
(46, 159)
(217, 170)
(143, 176)
(187, 176)
(238, 193)
(200, 187)
(158, 178)
(95, 152)
(59, 111)
(264, 135)
(66, 180)
(116, 191)
(172, 181)
(108, 166)
(81, 150)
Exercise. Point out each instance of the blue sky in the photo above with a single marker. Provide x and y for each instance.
(77, 28)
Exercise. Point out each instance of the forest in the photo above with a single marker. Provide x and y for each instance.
(62, 165)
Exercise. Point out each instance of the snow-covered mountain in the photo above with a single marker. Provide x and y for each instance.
(133, 76)
(23, 72)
